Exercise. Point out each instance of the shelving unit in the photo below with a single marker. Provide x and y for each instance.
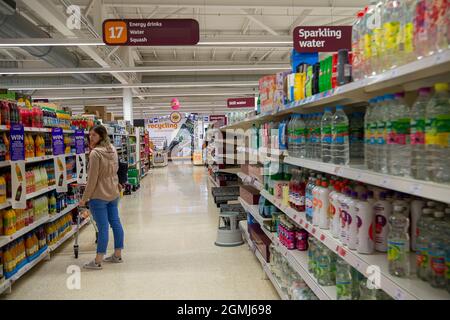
(4, 240)
(69, 234)
(398, 288)
(426, 189)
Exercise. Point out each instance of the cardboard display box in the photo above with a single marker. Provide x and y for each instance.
(249, 194)
(100, 111)
(256, 171)
(261, 241)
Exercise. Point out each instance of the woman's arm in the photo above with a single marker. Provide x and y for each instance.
(94, 164)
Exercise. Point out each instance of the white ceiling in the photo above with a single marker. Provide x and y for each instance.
(220, 20)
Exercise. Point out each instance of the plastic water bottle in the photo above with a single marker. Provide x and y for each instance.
(343, 280)
(437, 251)
(309, 198)
(356, 136)
(422, 243)
(437, 137)
(300, 136)
(340, 147)
(290, 134)
(369, 135)
(314, 126)
(384, 128)
(357, 72)
(326, 124)
(400, 152)
(392, 17)
(318, 141)
(306, 119)
(418, 152)
(398, 243)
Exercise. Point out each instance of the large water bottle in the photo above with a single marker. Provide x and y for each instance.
(313, 136)
(389, 142)
(307, 120)
(326, 137)
(340, 147)
(437, 251)
(357, 73)
(437, 138)
(398, 243)
(356, 137)
(318, 140)
(418, 153)
(290, 133)
(369, 135)
(300, 136)
(343, 280)
(400, 153)
(392, 17)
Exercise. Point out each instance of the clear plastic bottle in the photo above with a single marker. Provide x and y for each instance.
(408, 9)
(343, 280)
(418, 152)
(324, 266)
(392, 17)
(326, 137)
(400, 152)
(300, 136)
(437, 137)
(389, 146)
(422, 243)
(357, 72)
(421, 40)
(317, 132)
(290, 134)
(307, 118)
(340, 131)
(437, 251)
(398, 243)
(375, 23)
(369, 135)
(356, 137)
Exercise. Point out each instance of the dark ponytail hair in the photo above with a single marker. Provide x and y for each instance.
(104, 138)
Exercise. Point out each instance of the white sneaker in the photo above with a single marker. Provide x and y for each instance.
(113, 259)
(92, 265)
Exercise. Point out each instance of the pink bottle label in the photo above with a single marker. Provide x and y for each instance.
(418, 138)
(400, 138)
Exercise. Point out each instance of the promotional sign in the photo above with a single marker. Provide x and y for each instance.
(58, 141)
(18, 185)
(60, 173)
(151, 32)
(79, 142)
(175, 117)
(17, 142)
(81, 169)
(322, 39)
(221, 120)
(241, 102)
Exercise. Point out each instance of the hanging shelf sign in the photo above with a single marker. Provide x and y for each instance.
(151, 32)
(322, 39)
(241, 103)
(79, 142)
(18, 181)
(58, 141)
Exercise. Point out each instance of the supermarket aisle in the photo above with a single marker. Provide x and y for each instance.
(170, 228)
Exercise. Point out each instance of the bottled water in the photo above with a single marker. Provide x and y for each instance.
(437, 137)
(308, 152)
(357, 72)
(340, 147)
(317, 137)
(326, 124)
(369, 135)
(299, 132)
(437, 251)
(384, 126)
(324, 262)
(356, 137)
(399, 138)
(291, 139)
(392, 17)
(313, 137)
(398, 243)
(418, 153)
(343, 280)
(422, 243)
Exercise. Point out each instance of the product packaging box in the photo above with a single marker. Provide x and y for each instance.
(109, 116)
(249, 194)
(261, 241)
(100, 111)
(267, 87)
(245, 168)
(256, 170)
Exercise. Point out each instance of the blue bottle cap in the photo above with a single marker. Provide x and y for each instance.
(339, 108)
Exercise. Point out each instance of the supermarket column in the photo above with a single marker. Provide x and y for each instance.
(127, 105)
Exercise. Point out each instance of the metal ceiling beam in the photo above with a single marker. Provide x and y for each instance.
(305, 13)
(259, 23)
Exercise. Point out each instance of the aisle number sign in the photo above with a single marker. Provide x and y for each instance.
(154, 32)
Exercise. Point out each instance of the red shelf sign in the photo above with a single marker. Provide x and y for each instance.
(322, 38)
(241, 103)
(154, 32)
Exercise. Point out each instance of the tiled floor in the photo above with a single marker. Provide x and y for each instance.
(170, 228)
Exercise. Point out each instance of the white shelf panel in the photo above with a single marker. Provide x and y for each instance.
(7, 204)
(68, 235)
(31, 129)
(38, 159)
(29, 266)
(254, 211)
(429, 190)
(398, 288)
(4, 240)
(65, 211)
(40, 192)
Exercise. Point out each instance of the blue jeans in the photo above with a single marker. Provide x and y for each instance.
(106, 213)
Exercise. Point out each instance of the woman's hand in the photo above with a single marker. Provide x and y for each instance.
(82, 203)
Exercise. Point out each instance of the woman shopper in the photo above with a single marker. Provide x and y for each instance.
(103, 193)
